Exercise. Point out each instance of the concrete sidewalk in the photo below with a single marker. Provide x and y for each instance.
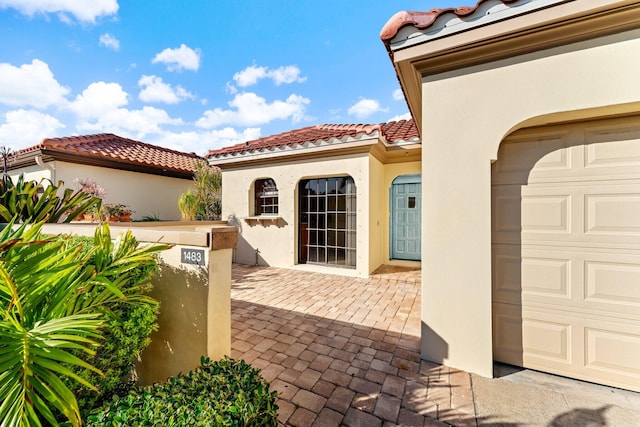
(344, 351)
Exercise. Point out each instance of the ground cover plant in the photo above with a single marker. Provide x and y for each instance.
(226, 393)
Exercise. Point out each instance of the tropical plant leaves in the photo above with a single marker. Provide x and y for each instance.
(39, 201)
(52, 301)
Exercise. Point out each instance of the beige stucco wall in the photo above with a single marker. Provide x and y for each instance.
(147, 194)
(194, 316)
(278, 241)
(195, 300)
(582, 80)
(378, 213)
(181, 338)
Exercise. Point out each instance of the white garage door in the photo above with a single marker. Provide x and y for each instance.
(566, 251)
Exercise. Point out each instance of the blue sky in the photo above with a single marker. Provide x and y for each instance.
(193, 75)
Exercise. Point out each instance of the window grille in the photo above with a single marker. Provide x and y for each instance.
(266, 197)
(328, 221)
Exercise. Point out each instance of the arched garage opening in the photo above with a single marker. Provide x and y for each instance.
(566, 250)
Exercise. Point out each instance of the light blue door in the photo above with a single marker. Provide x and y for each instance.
(406, 207)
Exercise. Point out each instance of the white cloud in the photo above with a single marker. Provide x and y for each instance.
(231, 89)
(364, 108)
(30, 85)
(398, 95)
(182, 58)
(136, 124)
(155, 90)
(109, 41)
(100, 109)
(405, 116)
(249, 109)
(25, 128)
(288, 74)
(99, 98)
(84, 11)
(253, 73)
(201, 142)
(250, 75)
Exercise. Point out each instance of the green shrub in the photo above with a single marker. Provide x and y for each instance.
(204, 203)
(129, 325)
(222, 393)
(207, 184)
(188, 205)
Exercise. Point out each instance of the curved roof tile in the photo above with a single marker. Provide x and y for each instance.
(119, 149)
(422, 20)
(403, 130)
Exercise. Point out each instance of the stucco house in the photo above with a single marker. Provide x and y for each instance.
(145, 177)
(335, 198)
(529, 113)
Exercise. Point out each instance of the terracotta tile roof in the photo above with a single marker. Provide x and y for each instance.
(422, 20)
(117, 149)
(402, 130)
(393, 132)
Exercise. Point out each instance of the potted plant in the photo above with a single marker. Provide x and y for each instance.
(124, 215)
(90, 214)
(112, 211)
(90, 186)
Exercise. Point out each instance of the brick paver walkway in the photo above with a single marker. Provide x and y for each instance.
(344, 351)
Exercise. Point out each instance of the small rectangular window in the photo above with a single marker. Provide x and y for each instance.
(266, 197)
(412, 202)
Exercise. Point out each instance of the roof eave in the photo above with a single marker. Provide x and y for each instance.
(553, 25)
(49, 154)
(285, 154)
(384, 152)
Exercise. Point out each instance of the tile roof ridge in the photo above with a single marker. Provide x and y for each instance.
(104, 137)
(405, 18)
(367, 128)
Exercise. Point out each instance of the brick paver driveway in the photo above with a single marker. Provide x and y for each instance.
(344, 351)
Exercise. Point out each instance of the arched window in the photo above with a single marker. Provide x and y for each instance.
(266, 197)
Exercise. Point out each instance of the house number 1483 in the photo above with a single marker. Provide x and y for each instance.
(192, 256)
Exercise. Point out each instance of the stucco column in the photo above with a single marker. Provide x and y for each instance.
(456, 252)
(223, 240)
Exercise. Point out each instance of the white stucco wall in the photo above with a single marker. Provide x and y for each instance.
(31, 173)
(578, 81)
(147, 194)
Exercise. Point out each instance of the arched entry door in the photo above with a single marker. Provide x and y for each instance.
(406, 208)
